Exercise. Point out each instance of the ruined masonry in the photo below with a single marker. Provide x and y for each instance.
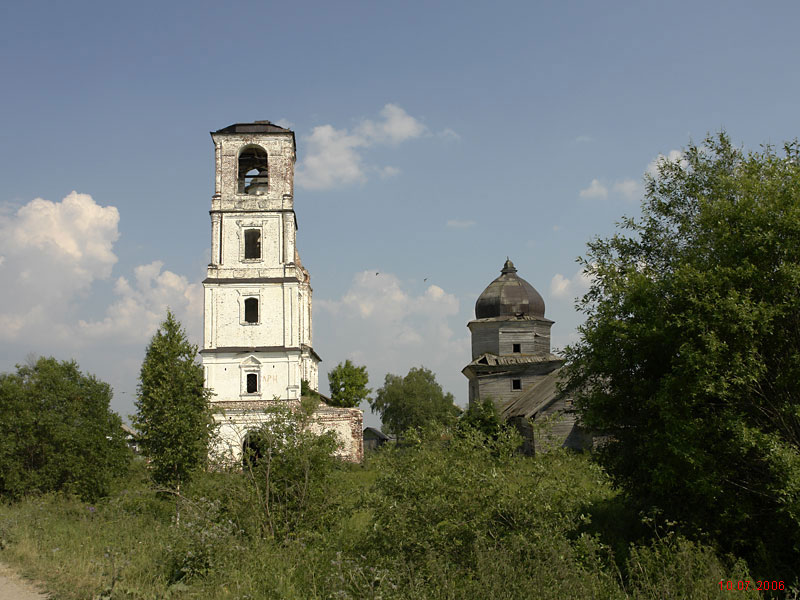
(257, 344)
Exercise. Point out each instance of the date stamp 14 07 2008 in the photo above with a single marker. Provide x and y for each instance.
(759, 585)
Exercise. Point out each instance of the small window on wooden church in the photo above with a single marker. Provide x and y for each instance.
(251, 310)
(516, 384)
(517, 348)
(252, 383)
(252, 244)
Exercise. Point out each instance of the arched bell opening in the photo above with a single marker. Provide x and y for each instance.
(252, 174)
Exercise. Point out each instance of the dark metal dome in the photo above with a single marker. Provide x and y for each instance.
(509, 296)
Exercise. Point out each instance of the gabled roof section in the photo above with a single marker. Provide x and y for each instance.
(535, 399)
(375, 433)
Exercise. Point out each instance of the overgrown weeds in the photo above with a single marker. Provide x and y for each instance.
(446, 516)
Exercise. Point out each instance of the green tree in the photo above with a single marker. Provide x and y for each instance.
(348, 384)
(57, 432)
(482, 416)
(413, 401)
(689, 359)
(291, 467)
(173, 416)
(306, 391)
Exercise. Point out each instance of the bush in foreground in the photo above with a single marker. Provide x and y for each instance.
(57, 432)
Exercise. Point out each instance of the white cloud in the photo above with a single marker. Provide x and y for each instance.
(54, 256)
(335, 156)
(671, 156)
(76, 233)
(595, 190)
(381, 324)
(389, 171)
(564, 287)
(460, 224)
(629, 188)
(52, 253)
(397, 126)
(333, 159)
(142, 305)
(449, 135)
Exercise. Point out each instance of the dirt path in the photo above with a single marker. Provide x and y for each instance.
(13, 587)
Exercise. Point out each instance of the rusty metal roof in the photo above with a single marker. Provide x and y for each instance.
(509, 295)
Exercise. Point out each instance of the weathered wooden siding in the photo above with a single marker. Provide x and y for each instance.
(555, 427)
(499, 337)
(498, 387)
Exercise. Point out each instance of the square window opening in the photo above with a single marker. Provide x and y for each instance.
(517, 348)
(516, 384)
(252, 383)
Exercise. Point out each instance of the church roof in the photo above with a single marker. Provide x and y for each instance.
(254, 127)
(492, 365)
(493, 360)
(535, 399)
(509, 295)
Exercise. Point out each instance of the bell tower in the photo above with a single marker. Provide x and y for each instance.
(257, 322)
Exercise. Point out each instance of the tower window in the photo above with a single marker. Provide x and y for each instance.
(252, 177)
(516, 384)
(252, 383)
(517, 348)
(252, 244)
(251, 310)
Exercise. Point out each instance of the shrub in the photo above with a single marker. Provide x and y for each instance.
(57, 432)
(460, 515)
(290, 468)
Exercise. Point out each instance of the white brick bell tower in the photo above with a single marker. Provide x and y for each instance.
(257, 323)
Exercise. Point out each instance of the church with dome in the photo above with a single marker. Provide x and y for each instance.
(512, 364)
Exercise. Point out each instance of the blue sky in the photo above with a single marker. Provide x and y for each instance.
(434, 140)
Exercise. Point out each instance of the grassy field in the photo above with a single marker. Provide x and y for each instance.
(454, 520)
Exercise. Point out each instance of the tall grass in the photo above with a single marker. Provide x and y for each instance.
(442, 519)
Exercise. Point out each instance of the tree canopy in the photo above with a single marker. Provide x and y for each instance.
(173, 416)
(413, 401)
(689, 359)
(291, 468)
(57, 432)
(484, 417)
(348, 384)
